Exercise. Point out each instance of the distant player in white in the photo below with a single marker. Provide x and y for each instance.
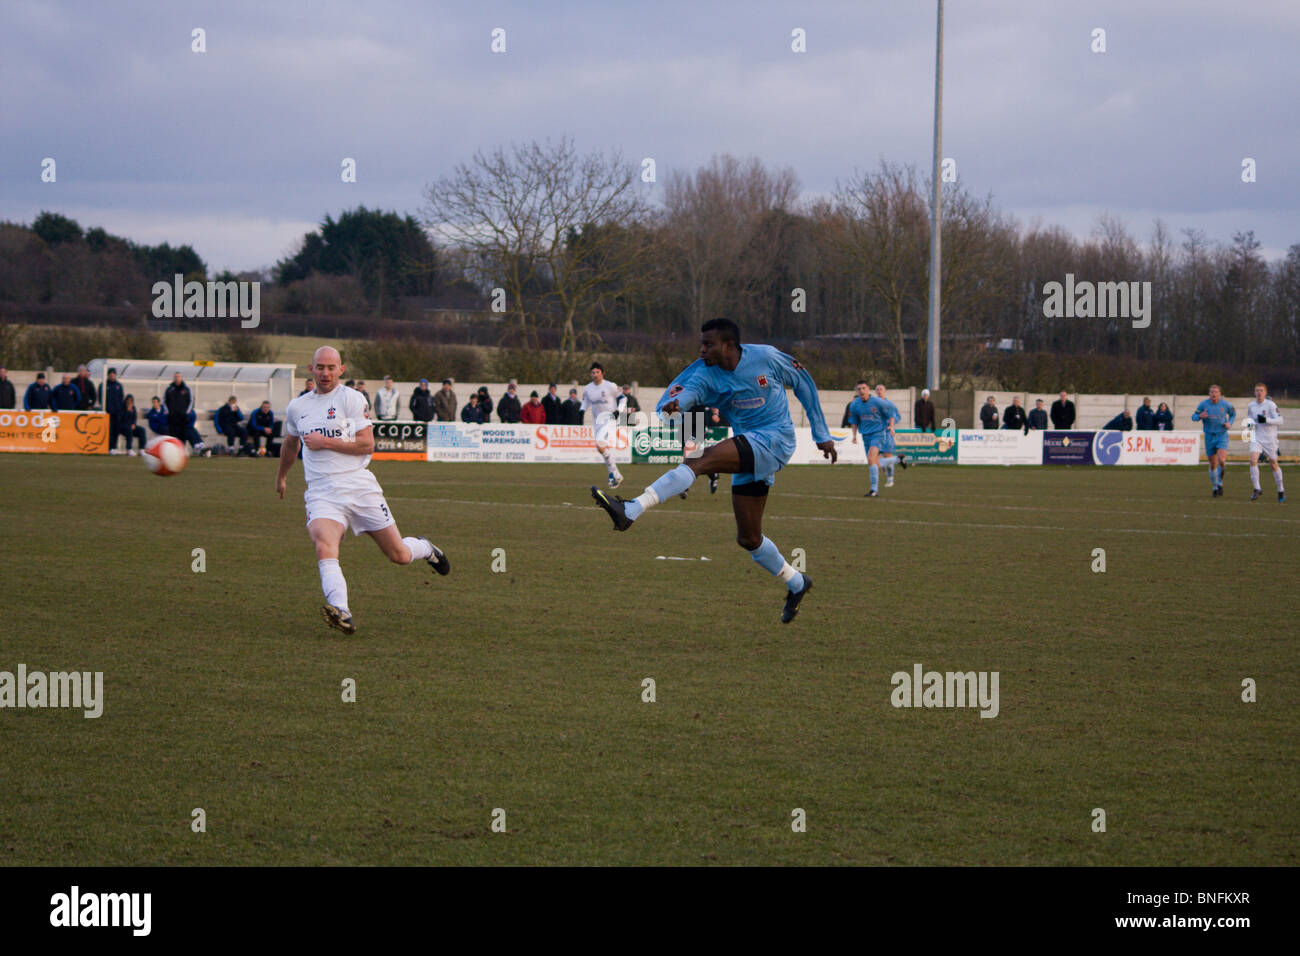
(336, 438)
(1264, 416)
(607, 404)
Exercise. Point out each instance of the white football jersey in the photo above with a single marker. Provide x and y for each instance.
(602, 399)
(1268, 408)
(339, 413)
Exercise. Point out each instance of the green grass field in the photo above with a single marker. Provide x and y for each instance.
(522, 690)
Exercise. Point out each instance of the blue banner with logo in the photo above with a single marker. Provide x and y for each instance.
(1067, 448)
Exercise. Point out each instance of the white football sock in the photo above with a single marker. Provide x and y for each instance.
(1254, 476)
(1277, 478)
(420, 549)
(332, 583)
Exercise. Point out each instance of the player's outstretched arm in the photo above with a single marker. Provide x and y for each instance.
(288, 455)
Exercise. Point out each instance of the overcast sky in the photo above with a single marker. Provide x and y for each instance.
(238, 150)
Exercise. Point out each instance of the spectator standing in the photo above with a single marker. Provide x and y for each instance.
(179, 402)
(85, 389)
(65, 397)
(8, 396)
(923, 415)
(125, 424)
(572, 409)
(532, 413)
(472, 413)
(989, 414)
(37, 394)
(110, 400)
(1063, 412)
(1014, 417)
(508, 407)
(157, 416)
(553, 406)
(229, 419)
(1164, 418)
(1038, 417)
(386, 401)
(361, 387)
(262, 425)
(444, 403)
(485, 403)
(632, 404)
(421, 402)
(311, 386)
(1146, 417)
(1123, 422)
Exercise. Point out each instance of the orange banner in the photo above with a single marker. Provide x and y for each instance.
(59, 433)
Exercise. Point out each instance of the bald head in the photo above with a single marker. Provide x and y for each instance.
(327, 368)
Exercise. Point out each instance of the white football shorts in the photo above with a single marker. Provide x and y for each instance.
(355, 501)
(1268, 448)
(607, 434)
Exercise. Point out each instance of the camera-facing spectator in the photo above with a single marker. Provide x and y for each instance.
(311, 386)
(124, 423)
(509, 406)
(421, 402)
(1038, 417)
(386, 401)
(1123, 422)
(230, 423)
(445, 403)
(989, 414)
(1146, 417)
(179, 402)
(532, 413)
(65, 397)
(485, 403)
(262, 426)
(1063, 412)
(632, 404)
(553, 405)
(85, 389)
(157, 417)
(1014, 417)
(110, 397)
(573, 413)
(923, 414)
(472, 413)
(37, 395)
(1164, 418)
(8, 395)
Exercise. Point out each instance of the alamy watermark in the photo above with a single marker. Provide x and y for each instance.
(208, 300)
(78, 689)
(1099, 300)
(951, 689)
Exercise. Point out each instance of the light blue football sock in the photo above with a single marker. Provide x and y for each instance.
(1220, 476)
(768, 557)
(1214, 477)
(665, 486)
(875, 477)
(889, 471)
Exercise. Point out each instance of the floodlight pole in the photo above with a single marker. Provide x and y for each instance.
(932, 341)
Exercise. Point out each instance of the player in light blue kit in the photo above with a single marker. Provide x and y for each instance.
(870, 416)
(890, 449)
(748, 385)
(1216, 416)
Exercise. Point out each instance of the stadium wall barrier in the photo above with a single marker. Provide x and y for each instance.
(461, 441)
(58, 433)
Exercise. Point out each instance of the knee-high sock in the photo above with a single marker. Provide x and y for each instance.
(1277, 479)
(665, 486)
(768, 557)
(1254, 476)
(1214, 475)
(420, 549)
(1221, 474)
(875, 477)
(332, 583)
(889, 461)
(609, 461)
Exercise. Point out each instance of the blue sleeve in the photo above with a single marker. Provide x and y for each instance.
(27, 398)
(1197, 411)
(1232, 415)
(805, 389)
(688, 389)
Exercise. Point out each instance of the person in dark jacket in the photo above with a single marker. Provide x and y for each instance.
(553, 406)
(572, 408)
(1014, 417)
(632, 404)
(509, 406)
(311, 387)
(1123, 422)
(124, 423)
(262, 425)
(1063, 412)
(485, 403)
(1038, 417)
(8, 397)
(989, 414)
(110, 396)
(85, 389)
(37, 394)
(472, 413)
(229, 419)
(1164, 418)
(157, 417)
(65, 396)
(1146, 417)
(421, 402)
(444, 402)
(179, 402)
(923, 414)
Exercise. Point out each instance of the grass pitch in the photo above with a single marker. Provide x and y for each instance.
(522, 690)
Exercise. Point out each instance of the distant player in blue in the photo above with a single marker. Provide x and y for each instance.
(1216, 416)
(748, 385)
(889, 448)
(871, 417)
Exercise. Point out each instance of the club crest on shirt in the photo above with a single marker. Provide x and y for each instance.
(762, 381)
(676, 390)
(797, 366)
(330, 413)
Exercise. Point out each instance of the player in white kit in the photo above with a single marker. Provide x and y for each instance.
(336, 438)
(1264, 417)
(607, 404)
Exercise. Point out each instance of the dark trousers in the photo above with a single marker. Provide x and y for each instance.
(129, 432)
(256, 440)
(184, 431)
(236, 431)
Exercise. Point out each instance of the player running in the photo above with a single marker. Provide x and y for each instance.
(1216, 415)
(607, 405)
(889, 449)
(870, 417)
(1264, 416)
(336, 438)
(749, 385)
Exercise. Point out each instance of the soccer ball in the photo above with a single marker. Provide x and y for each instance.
(165, 456)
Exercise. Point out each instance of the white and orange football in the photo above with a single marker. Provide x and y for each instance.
(166, 456)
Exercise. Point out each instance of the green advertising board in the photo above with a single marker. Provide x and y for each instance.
(662, 445)
(927, 447)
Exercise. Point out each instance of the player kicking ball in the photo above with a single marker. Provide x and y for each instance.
(749, 384)
(607, 406)
(337, 439)
(1263, 416)
(1216, 415)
